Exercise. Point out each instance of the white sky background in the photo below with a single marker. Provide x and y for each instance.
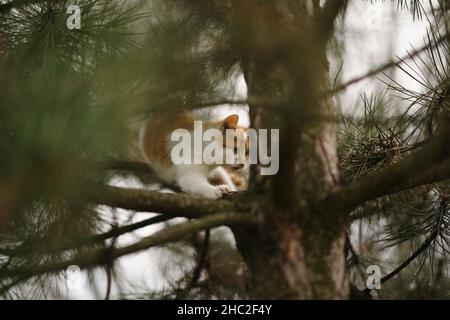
(373, 35)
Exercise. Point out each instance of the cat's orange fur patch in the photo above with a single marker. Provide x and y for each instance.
(157, 132)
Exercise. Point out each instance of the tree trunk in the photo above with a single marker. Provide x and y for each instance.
(299, 251)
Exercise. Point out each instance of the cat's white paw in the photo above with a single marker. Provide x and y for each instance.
(221, 191)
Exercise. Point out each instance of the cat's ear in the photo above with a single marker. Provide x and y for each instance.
(231, 122)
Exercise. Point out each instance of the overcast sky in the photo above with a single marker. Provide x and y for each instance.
(374, 34)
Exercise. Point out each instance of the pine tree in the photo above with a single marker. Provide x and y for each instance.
(351, 184)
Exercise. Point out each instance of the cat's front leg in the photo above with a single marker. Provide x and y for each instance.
(220, 175)
(194, 180)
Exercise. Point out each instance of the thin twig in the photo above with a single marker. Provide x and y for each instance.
(201, 261)
(73, 244)
(110, 265)
(390, 64)
(108, 282)
(397, 270)
(198, 269)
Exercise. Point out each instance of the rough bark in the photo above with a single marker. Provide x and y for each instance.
(179, 205)
(299, 250)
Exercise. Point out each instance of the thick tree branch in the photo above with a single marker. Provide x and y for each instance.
(179, 231)
(406, 173)
(436, 173)
(180, 205)
(104, 256)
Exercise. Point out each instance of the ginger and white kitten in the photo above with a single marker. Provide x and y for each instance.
(209, 181)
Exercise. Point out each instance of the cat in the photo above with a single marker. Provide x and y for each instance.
(212, 181)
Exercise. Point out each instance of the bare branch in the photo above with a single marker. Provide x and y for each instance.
(436, 173)
(180, 205)
(105, 255)
(179, 231)
(52, 248)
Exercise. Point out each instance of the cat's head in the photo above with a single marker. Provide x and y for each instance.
(236, 144)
